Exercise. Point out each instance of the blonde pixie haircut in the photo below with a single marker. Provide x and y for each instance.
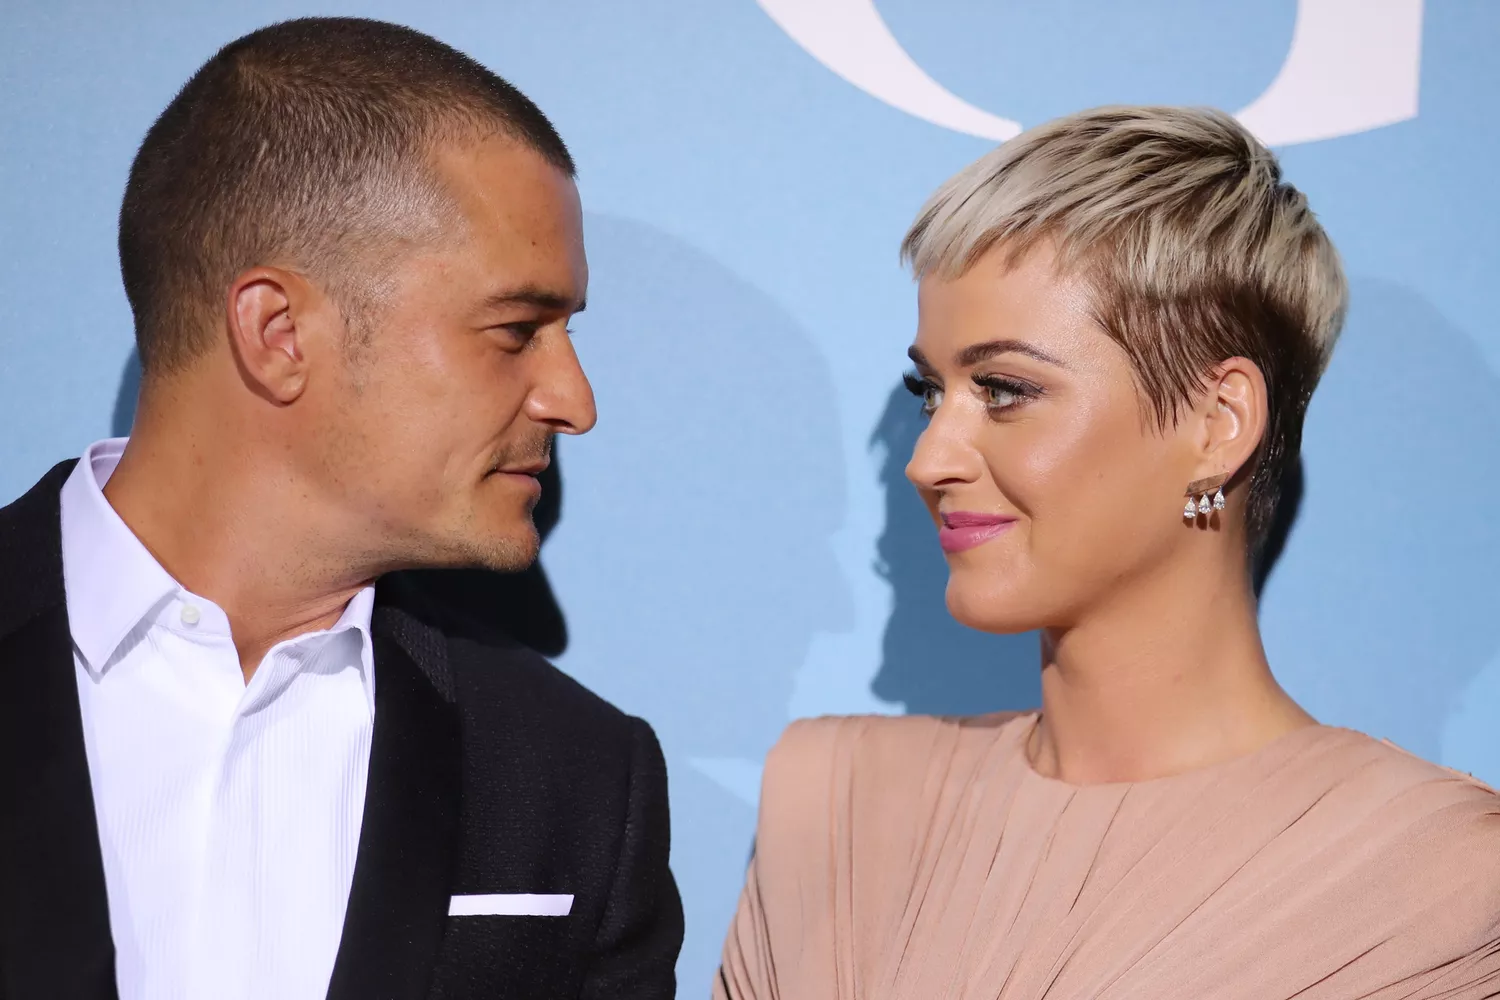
(1196, 249)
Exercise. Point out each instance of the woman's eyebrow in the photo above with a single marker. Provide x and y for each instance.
(975, 353)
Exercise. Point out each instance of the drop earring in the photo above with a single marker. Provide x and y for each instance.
(1198, 497)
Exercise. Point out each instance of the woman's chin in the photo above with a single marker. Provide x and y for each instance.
(1000, 613)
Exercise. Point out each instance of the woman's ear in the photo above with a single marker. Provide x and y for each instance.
(1231, 418)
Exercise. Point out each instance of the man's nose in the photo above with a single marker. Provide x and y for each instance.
(561, 396)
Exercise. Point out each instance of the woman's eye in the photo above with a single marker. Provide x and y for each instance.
(999, 397)
(929, 392)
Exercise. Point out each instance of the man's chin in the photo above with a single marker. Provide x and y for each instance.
(509, 552)
(502, 544)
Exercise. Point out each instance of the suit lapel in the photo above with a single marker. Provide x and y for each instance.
(398, 904)
(54, 910)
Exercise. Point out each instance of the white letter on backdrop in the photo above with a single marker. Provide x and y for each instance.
(1353, 66)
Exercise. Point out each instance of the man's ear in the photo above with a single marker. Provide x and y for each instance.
(264, 309)
(1231, 418)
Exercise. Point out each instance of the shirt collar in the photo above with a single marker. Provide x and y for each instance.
(110, 580)
(356, 616)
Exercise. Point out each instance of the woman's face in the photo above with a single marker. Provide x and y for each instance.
(1048, 479)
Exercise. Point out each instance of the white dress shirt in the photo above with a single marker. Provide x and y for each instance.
(229, 813)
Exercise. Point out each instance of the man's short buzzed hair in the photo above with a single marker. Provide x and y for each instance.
(305, 144)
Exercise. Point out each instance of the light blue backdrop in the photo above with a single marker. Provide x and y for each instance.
(737, 546)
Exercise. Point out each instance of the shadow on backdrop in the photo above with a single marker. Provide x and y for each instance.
(126, 397)
(1381, 611)
(523, 604)
(702, 508)
(697, 556)
(930, 663)
(1288, 507)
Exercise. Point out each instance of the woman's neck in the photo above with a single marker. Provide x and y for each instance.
(1165, 676)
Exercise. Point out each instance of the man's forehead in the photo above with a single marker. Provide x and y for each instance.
(506, 194)
(499, 175)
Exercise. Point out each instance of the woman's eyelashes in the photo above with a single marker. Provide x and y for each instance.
(999, 394)
(1002, 393)
(925, 389)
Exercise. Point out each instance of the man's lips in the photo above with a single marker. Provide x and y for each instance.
(528, 462)
(523, 475)
(529, 469)
(963, 530)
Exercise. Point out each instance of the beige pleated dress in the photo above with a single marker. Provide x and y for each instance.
(919, 858)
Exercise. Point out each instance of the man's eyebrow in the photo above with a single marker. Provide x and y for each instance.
(975, 353)
(542, 298)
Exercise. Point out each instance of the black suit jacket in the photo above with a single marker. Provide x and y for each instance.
(490, 772)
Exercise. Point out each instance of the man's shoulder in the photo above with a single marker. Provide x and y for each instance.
(41, 495)
(506, 686)
(31, 550)
(495, 673)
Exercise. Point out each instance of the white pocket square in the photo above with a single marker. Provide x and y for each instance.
(511, 904)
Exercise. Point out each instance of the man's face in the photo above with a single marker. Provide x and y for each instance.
(443, 414)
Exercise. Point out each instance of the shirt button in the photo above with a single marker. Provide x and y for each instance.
(190, 614)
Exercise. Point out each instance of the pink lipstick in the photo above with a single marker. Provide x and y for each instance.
(963, 530)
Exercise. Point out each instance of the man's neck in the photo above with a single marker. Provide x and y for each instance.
(1170, 677)
(218, 524)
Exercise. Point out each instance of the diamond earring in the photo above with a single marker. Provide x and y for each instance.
(1198, 497)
